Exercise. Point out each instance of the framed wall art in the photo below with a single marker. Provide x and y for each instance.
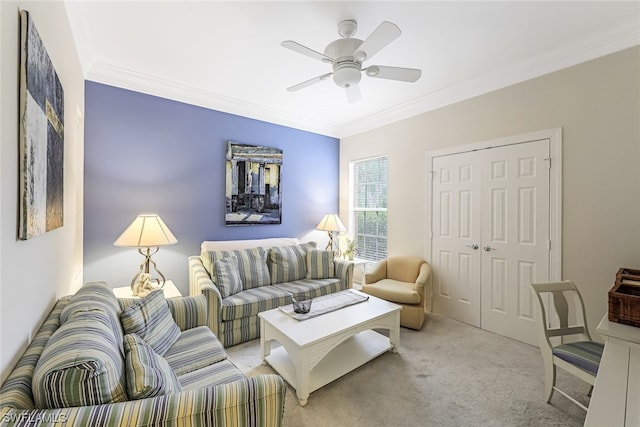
(253, 185)
(41, 136)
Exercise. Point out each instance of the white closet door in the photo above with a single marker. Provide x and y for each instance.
(456, 236)
(515, 236)
(495, 200)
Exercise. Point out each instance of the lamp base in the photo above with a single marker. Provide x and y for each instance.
(142, 280)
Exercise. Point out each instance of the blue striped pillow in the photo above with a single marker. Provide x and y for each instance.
(150, 318)
(289, 263)
(227, 278)
(148, 374)
(252, 265)
(320, 264)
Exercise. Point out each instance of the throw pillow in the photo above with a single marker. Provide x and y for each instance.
(252, 265)
(148, 374)
(289, 263)
(320, 264)
(228, 276)
(80, 365)
(150, 318)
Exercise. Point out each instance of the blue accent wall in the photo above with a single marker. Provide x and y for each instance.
(145, 154)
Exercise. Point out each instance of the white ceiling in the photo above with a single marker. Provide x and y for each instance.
(227, 55)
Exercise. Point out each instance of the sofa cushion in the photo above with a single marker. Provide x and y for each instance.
(252, 265)
(195, 349)
(227, 276)
(148, 374)
(219, 373)
(81, 365)
(310, 288)
(151, 320)
(252, 301)
(288, 263)
(320, 264)
(96, 296)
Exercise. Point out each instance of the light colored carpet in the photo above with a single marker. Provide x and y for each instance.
(447, 374)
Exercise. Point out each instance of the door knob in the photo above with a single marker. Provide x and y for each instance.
(474, 246)
(488, 248)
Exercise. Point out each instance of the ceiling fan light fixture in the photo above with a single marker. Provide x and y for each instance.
(345, 75)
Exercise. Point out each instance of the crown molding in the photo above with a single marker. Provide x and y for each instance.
(112, 75)
(535, 67)
(548, 63)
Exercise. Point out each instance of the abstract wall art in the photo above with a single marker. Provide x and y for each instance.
(253, 193)
(41, 136)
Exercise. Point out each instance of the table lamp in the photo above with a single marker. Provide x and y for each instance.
(331, 223)
(147, 233)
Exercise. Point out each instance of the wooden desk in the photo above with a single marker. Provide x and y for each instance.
(615, 401)
(169, 290)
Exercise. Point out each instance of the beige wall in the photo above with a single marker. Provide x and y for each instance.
(597, 105)
(35, 272)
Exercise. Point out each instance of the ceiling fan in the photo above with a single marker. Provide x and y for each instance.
(347, 54)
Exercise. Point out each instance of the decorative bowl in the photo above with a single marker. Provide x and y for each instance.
(302, 307)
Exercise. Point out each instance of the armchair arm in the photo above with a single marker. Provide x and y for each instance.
(378, 273)
(189, 312)
(250, 401)
(421, 285)
(344, 272)
(200, 283)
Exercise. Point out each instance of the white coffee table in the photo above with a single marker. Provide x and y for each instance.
(317, 351)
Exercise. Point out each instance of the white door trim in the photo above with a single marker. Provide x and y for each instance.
(555, 188)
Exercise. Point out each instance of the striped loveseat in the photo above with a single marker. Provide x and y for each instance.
(84, 369)
(270, 273)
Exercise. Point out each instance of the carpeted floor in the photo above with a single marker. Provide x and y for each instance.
(447, 374)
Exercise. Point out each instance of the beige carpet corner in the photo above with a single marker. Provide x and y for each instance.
(447, 374)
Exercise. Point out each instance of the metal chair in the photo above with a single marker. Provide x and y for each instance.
(581, 357)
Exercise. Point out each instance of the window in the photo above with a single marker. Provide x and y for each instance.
(369, 207)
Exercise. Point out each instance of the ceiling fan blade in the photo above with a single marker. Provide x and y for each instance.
(353, 93)
(393, 73)
(381, 37)
(308, 82)
(297, 47)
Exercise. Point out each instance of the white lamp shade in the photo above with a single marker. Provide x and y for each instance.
(146, 231)
(331, 222)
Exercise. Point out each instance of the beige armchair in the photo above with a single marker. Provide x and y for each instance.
(403, 280)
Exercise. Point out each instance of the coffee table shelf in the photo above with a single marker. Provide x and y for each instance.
(317, 351)
(351, 354)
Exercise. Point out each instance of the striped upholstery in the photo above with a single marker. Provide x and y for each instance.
(235, 319)
(219, 373)
(288, 263)
(584, 354)
(253, 301)
(320, 264)
(256, 401)
(252, 265)
(227, 276)
(310, 288)
(148, 374)
(251, 402)
(96, 296)
(189, 312)
(195, 349)
(65, 377)
(151, 320)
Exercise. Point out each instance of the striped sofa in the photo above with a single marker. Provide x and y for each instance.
(272, 272)
(76, 371)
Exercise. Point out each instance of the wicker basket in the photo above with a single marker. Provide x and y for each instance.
(624, 298)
